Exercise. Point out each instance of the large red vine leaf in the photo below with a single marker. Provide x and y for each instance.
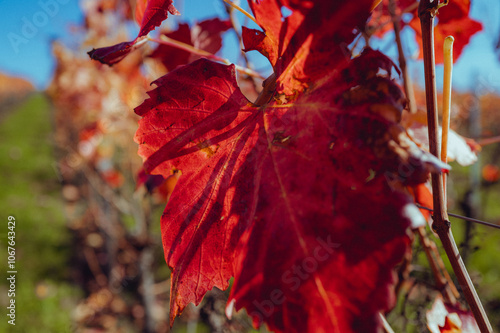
(301, 199)
(150, 13)
(292, 200)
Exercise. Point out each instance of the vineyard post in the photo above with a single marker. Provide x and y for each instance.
(427, 11)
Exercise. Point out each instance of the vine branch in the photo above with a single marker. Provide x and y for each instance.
(427, 11)
(408, 85)
(443, 280)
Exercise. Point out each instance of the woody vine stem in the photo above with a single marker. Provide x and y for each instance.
(427, 11)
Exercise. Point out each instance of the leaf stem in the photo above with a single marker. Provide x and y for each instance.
(426, 12)
(202, 53)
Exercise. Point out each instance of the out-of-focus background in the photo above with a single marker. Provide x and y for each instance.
(87, 234)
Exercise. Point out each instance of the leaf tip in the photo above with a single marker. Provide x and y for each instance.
(172, 10)
(91, 54)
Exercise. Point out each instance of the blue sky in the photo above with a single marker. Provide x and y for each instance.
(31, 57)
(26, 31)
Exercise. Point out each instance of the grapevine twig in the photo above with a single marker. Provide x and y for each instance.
(408, 9)
(408, 85)
(95, 268)
(426, 12)
(202, 53)
(443, 281)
